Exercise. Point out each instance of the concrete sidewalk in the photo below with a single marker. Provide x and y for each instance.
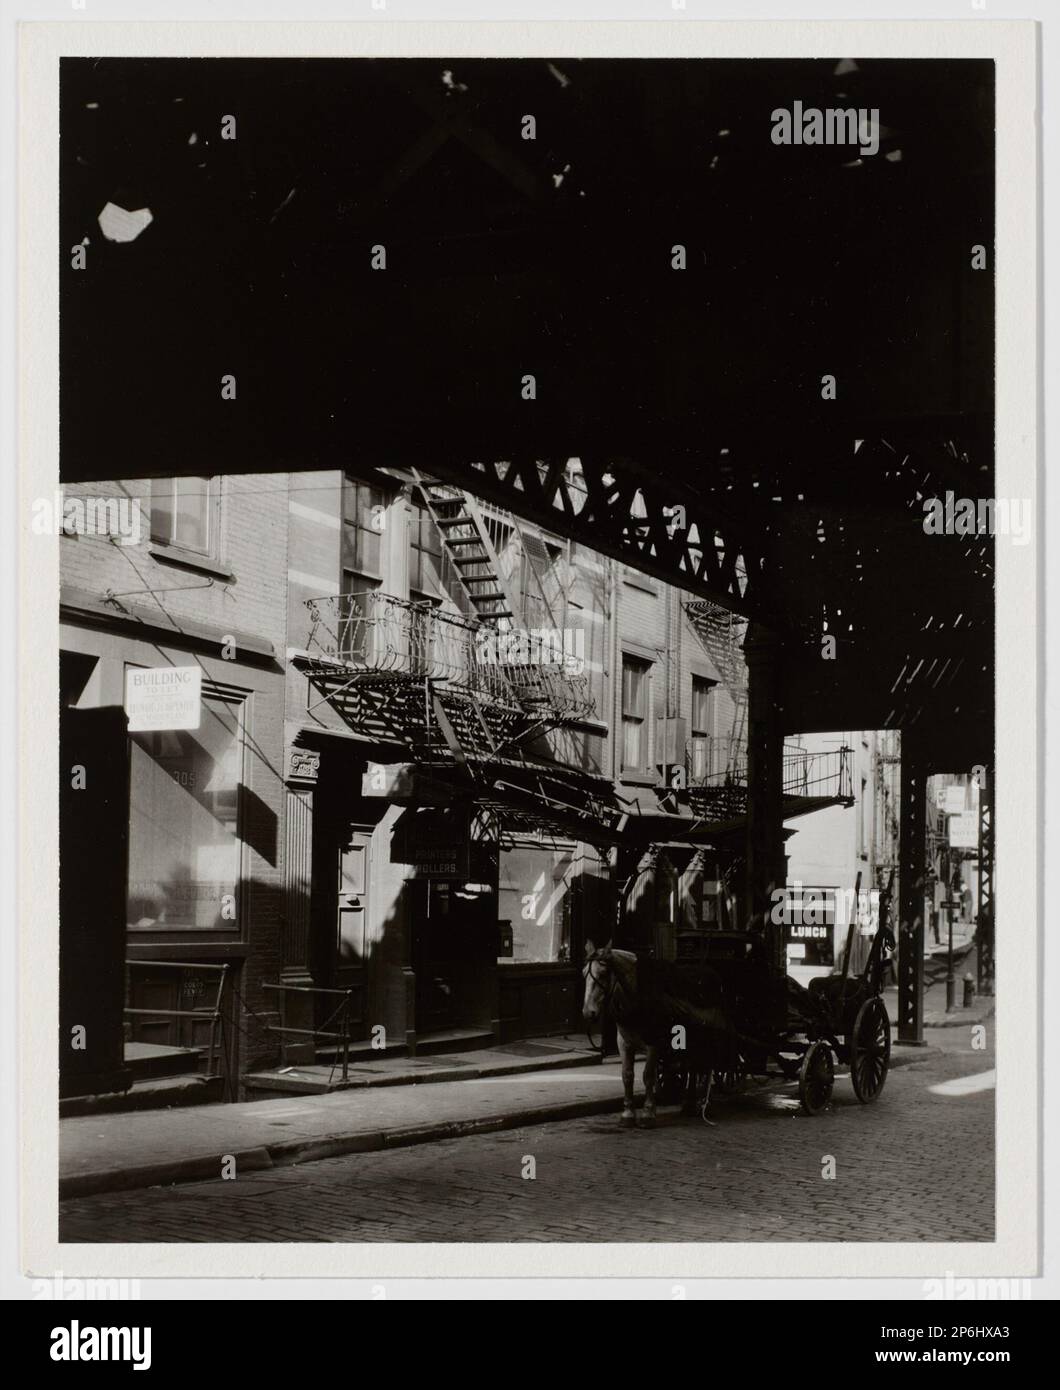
(935, 1015)
(112, 1152)
(115, 1152)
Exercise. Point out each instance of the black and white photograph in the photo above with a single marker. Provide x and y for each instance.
(527, 533)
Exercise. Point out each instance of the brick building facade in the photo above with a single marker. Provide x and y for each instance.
(440, 749)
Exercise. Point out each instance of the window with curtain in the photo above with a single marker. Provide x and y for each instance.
(636, 678)
(184, 515)
(702, 728)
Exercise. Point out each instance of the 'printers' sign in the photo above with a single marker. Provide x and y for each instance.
(164, 697)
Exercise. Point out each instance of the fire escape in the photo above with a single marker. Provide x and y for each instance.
(811, 780)
(721, 634)
(467, 697)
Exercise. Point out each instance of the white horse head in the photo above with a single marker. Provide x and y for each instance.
(606, 971)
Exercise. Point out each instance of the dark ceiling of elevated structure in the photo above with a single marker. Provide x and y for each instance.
(699, 388)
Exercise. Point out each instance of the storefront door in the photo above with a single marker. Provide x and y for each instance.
(454, 952)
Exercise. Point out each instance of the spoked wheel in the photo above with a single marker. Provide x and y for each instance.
(670, 1084)
(730, 1080)
(870, 1049)
(816, 1077)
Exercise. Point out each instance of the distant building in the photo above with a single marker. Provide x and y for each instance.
(840, 860)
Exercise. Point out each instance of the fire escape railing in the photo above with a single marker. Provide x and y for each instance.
(374, 631)
(805, 772)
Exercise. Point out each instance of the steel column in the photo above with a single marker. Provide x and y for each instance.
(766, 863)
(912, 854)
(984, 936)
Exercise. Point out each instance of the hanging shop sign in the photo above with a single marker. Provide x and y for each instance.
(964, 831)
(436, 843)
(163, 697)
(956, 800)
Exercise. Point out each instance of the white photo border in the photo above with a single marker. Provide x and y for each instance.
(1013, 46)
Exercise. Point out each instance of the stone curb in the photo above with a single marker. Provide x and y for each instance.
(959, 1018)
(206, 1167)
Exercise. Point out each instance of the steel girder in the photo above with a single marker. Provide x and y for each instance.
(660, 528)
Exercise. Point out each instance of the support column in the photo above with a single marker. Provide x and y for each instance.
(298, 1010)
(912, 847)
(766, 862)
(984, 936)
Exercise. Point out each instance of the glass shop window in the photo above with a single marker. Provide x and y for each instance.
(534, 896)
(184, 824)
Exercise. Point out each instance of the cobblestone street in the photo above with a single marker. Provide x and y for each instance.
(915, 1166)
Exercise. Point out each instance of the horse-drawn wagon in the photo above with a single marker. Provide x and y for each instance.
(737, 1014)
(801, 1031)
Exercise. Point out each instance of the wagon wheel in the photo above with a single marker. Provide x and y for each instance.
(870, 1050)
(816, 1077)
(670, 1083)
(728, 1080)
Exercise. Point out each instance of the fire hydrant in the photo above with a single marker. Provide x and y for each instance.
(969, 991)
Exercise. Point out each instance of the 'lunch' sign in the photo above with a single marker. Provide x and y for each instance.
(163, 697)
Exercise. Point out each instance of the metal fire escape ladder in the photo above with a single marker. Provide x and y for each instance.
(467, 540)
(546, 694)
(716, 629)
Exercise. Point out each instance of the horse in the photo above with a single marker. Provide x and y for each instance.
(660, 1007)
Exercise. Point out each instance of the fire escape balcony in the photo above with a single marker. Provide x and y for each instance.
(383, 636)
(810, 780)
(444, 686)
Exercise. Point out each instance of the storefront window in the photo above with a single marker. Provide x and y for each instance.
(184, 841)
(534, 898)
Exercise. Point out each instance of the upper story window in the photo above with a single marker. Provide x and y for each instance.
(636, 683)
(425, 555)
(185, 515)
(363, 520)
(863, 846)
(702, 727)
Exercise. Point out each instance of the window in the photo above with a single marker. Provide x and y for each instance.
(185, 514)
(863, 849)
(184, 823)
(534, 899)
(636, 677)
(425, 555)
(360, 616)
(363, 519)
(702, 728)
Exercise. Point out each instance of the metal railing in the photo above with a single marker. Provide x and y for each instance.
(342, 1016)
(210, 1013)
(817, 774)
(805, 772)
(377, 632)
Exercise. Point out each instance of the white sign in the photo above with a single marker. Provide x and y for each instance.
(163, 697)
(956, 801)
(964, 831)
